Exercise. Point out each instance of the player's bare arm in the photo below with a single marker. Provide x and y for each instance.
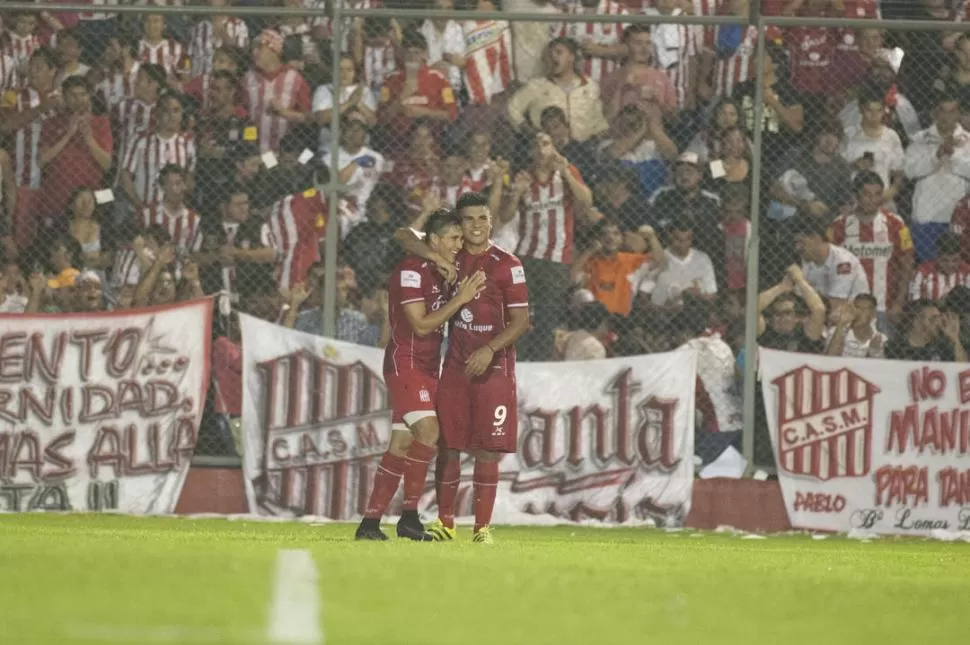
(481, 358)
(414, 245)
(424, 323)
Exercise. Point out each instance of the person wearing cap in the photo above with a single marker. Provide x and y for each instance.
(276, 95)
(563, 87)
(414, 91)
(360, 169)
(686, 200)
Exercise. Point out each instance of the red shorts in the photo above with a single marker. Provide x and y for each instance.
(411, 391)
(480, 413)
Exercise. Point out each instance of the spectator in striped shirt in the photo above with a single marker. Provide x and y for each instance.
(934, 279)
(155, 48)
(115, 75)
(155, 149)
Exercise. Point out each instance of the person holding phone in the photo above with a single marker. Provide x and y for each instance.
(873, 146)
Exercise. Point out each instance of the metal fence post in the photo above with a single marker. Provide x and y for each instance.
(334, 188)
(751, 270)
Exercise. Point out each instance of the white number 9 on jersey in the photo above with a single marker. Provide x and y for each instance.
(501, 412)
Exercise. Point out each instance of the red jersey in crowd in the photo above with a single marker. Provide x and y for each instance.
(297, 223)
(960, 224)
(487, 315)
(74, 167)
(287, 88)
(930, 283)
(812, 50)
(433, 92)
(413, 280)
(881, 245)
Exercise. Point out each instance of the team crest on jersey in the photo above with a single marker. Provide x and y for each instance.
(425, 396)
(467, 316)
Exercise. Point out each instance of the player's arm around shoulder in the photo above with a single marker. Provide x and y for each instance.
(425, 322)
(413, 244)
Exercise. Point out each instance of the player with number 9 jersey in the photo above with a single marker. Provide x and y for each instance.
(477, 403)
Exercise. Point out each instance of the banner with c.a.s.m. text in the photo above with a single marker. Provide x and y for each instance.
(608, 440)
(876, 445)
(100, 412)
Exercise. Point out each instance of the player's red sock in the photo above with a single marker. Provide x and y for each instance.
(386, 480)
(415, 472)
(486, 483)
(447, 476)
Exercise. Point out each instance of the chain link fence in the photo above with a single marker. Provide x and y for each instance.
(635, 155)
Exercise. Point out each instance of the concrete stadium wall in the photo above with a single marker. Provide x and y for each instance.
(745, 504)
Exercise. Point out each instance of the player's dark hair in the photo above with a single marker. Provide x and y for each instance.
(948, 244)
(158, 233)
(155, 73)
(439, 221)
(805, 224)
(867, 297)
(169, 169)
(865, 178)
(75, 81)
(633, 30)
(470, 200)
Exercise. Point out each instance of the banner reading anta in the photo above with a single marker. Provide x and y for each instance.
(870, 444)
(611, 440)
(100, 412)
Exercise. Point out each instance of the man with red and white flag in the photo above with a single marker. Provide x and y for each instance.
(936, 278)
(276, 95)
(882, 242)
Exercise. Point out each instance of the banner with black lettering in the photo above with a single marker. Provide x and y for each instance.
(100, 412)
(875, 445)
(610, 440)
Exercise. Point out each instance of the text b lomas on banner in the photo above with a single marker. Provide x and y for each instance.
(101, 412)
(609, 440)
(868, 444)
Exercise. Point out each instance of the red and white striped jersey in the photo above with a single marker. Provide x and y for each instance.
(20, 49)
(881, 246)
(182, 226)
(95, 15)
(488, 59)
(379, 61)
(149, 153)
(932, 284)
(477, 178)
(127, 269)
(9, 78)
(448, 195)
(118, 87)
(25, 143)
(130, 118)
(205, 43)
(606, 34)
(297, 223)
(738, 67)
(679, 43)
(288, 88)
(168, 53)
(546, 219)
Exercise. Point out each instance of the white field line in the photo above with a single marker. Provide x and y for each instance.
(294, 612)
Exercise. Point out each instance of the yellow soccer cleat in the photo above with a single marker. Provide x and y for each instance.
(483, 535)
(440, 532)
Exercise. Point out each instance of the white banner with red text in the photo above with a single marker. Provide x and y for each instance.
(100, 412)
(872, 445)
(608, 440)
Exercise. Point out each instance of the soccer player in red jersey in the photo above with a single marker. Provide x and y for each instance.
(477, 405)
(418, 310)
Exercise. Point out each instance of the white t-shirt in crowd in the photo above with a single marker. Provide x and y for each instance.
(852, 347)
(449, 41)
(359, 186)
(886, 149)
(680, 275)
(323, 100)
(841, 276)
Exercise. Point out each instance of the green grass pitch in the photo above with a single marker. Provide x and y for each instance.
(112, 579)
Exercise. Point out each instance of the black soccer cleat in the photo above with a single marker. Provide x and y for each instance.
(411, 528)
(367, 531)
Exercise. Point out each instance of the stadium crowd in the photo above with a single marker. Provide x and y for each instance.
(155, 157)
